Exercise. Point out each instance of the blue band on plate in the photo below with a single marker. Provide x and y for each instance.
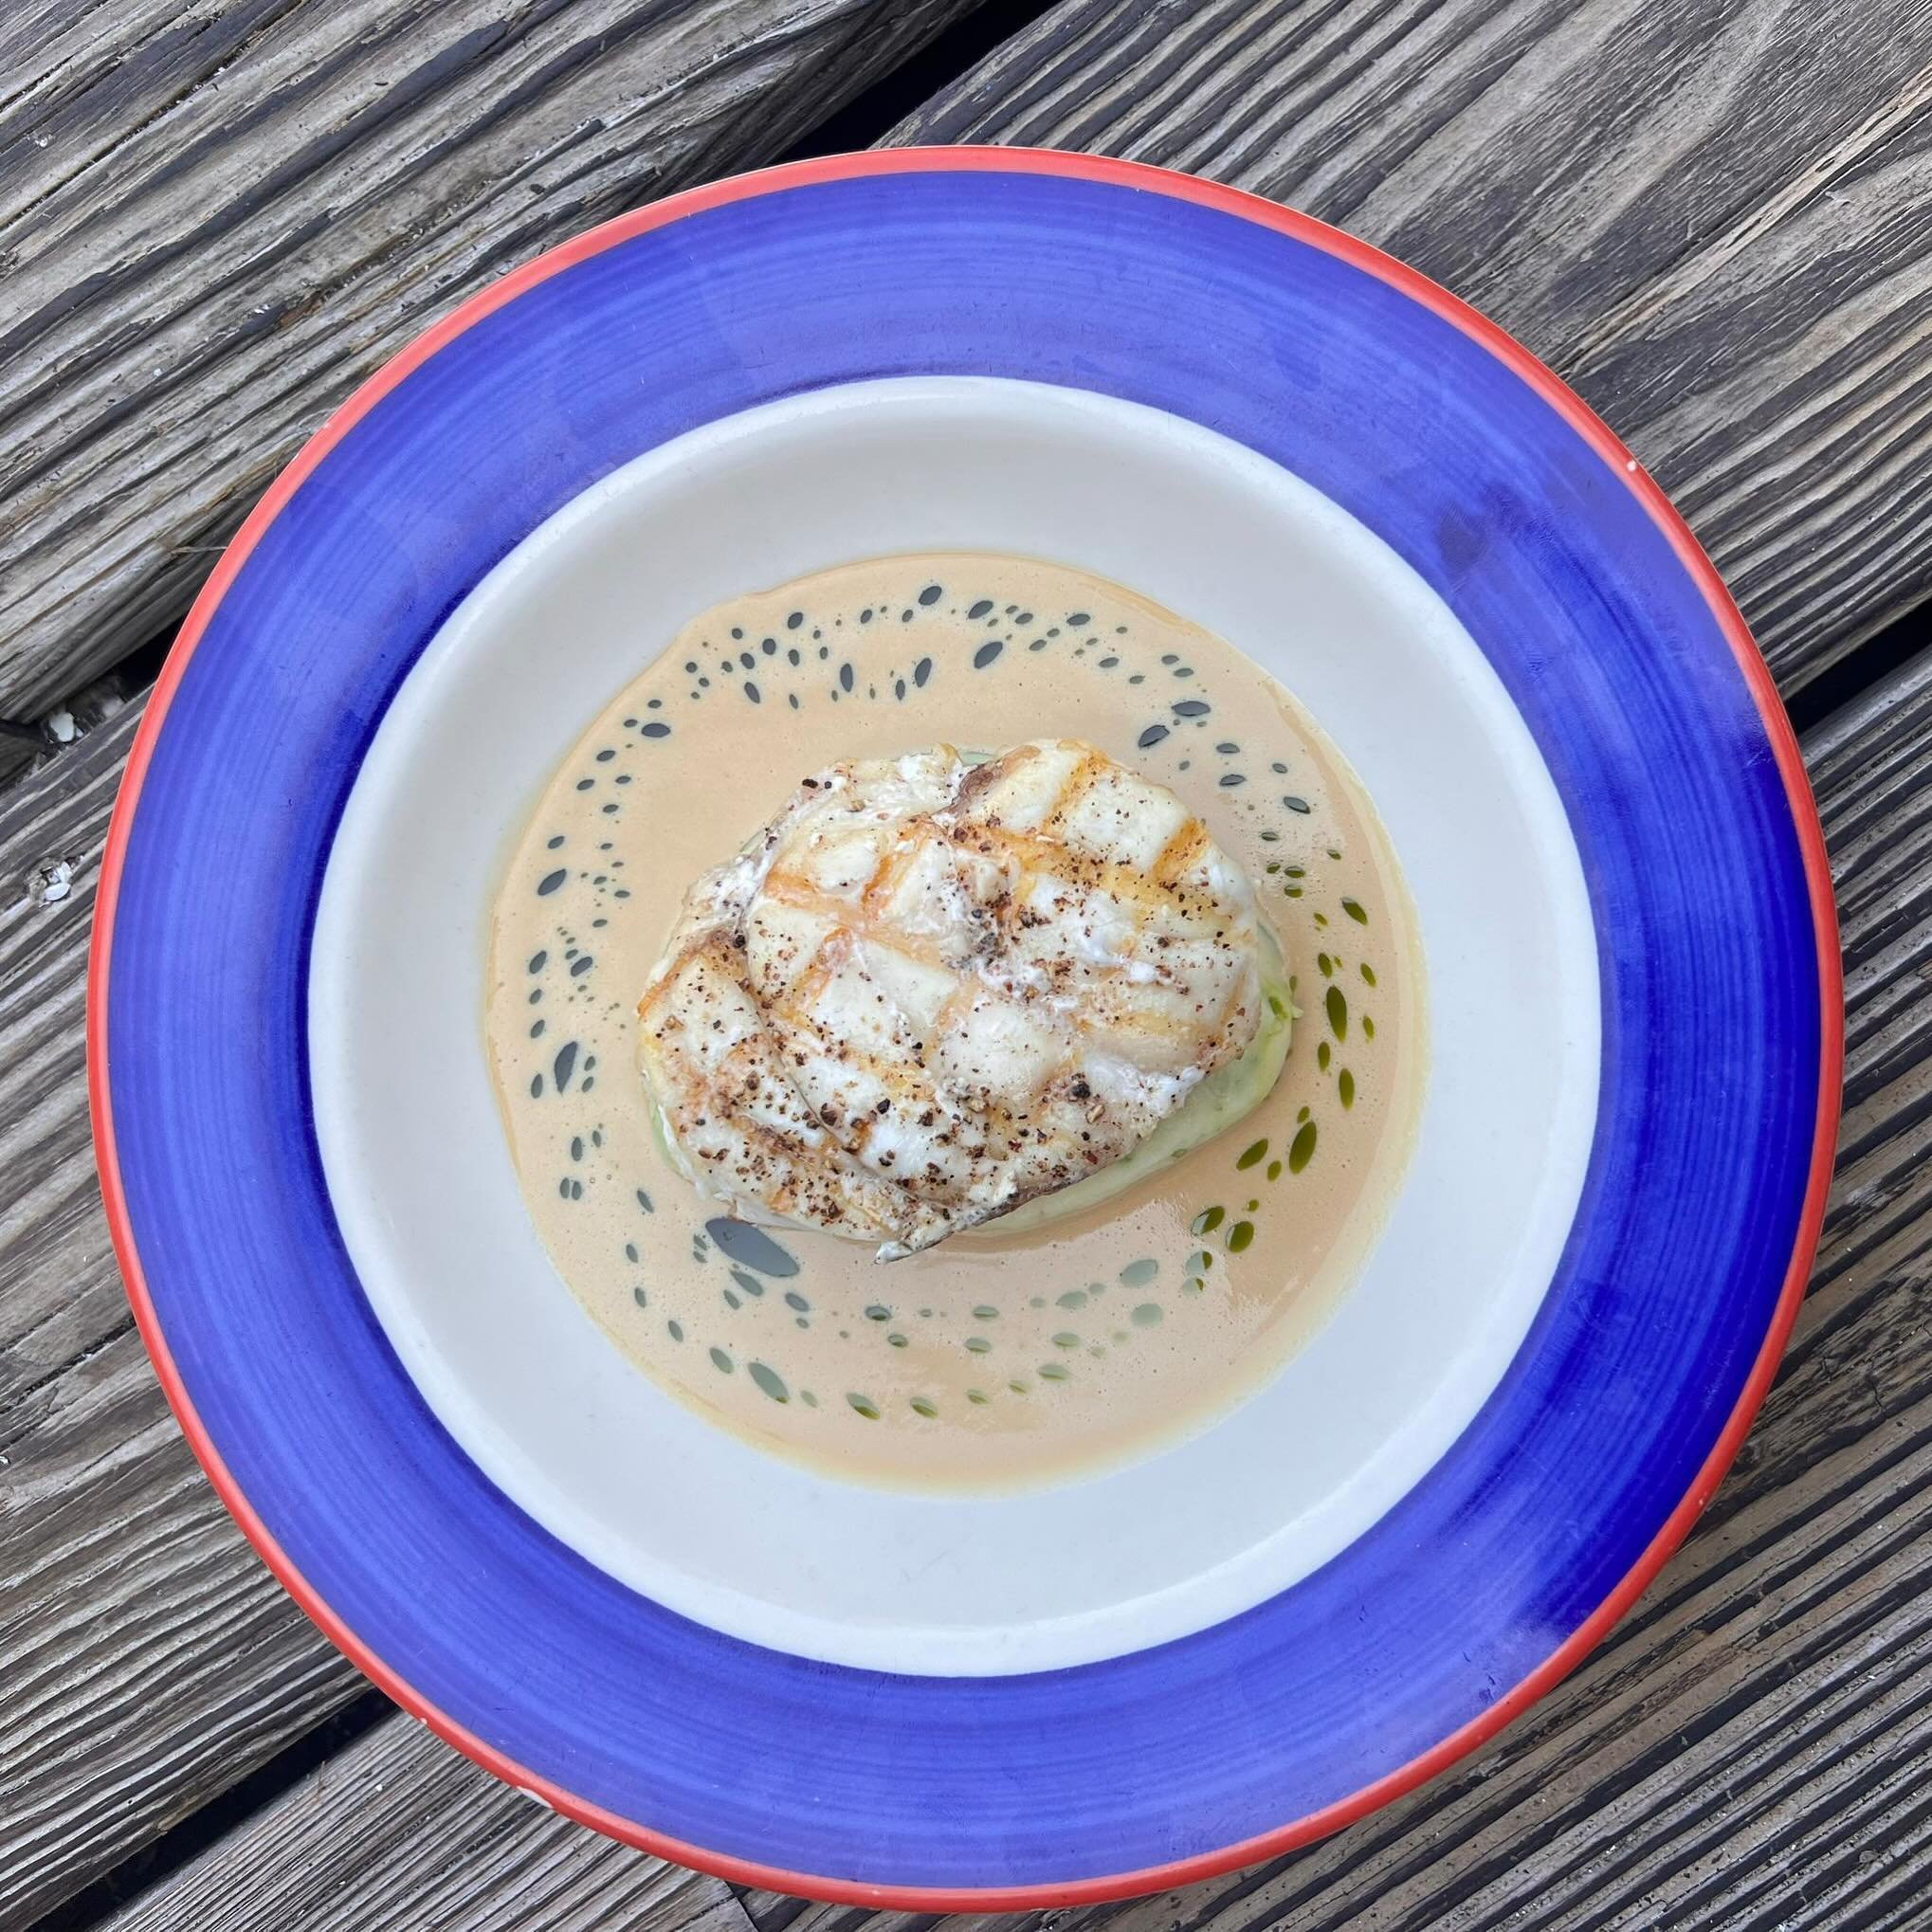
(1711, 1032)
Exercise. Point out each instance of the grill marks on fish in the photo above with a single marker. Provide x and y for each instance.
(931, 991)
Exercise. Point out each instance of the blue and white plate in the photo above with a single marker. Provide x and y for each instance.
(1234, 1644)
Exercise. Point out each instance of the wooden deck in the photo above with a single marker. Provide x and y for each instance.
(1713, 216)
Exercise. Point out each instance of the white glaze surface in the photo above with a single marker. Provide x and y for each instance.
(427, 1198)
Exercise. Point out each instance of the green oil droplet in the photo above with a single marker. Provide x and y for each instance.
(1355, 912)
(865, 1406)
(1303, 1151)
(675, 1330)
(769, 1380)
(1368, 973)
(1147, 1315)
(1274, 1170)
(1253, 1156)
(809, 1400)
(1344, 1087)
(1207, 1220)
(984, 1312)
(1136, 1274)
(1065, 1338)
(1190, 1286)
(1326, 964)
(1322, 919)
(1368, 1028)
(978, 1397)
(878, 1313)
(1336, 1003)
(923, 1405)
(1240, 1236)
(1018, 1388)
(1199, 1262)
(642, 1300)
(896, 1341)
(1073, 1298)
(1321, 1056)
(977, 1344)
(721, 1361)
(1054, 1372)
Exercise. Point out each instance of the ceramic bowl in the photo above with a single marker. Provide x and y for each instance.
(1100, 1686)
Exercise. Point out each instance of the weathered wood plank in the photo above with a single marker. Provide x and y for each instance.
(398, 1832)
(1744, 1750)
(60, 1290)
(1714, 218)
(151, 1660)
(217, 215)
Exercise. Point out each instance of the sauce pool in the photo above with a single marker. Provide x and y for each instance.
(991, 1361)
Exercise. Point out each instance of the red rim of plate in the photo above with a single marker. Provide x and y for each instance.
(1784, 747)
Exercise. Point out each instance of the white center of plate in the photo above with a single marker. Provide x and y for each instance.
(420, 1173)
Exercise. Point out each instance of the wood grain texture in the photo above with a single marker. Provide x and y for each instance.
(151, 1661)
(216, 216)
(396, 1833)
(1748, 1750)
(1714, 217)
(60, 1290)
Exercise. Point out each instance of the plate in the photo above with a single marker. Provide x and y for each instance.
(1101, 1687)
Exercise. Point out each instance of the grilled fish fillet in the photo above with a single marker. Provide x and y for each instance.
(931, 991)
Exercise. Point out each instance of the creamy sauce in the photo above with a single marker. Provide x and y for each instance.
(991, 1360)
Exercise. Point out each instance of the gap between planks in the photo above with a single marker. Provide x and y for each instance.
(398, 1831)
